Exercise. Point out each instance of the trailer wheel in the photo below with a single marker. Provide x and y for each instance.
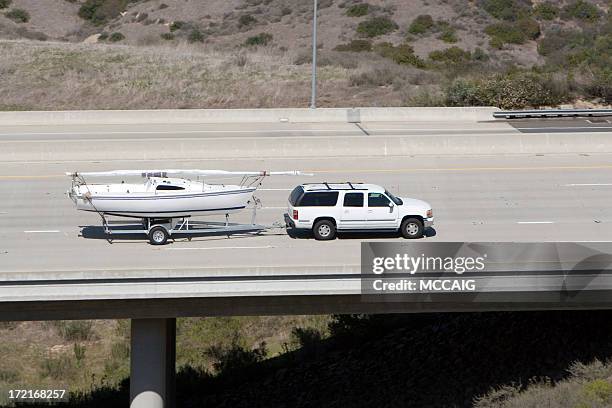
(158, 235)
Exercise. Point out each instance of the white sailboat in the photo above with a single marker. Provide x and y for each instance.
(166, 200)
(166, 193)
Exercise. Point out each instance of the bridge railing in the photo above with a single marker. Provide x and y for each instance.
(551, 113)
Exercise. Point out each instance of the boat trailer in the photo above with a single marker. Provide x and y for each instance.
(160, 230)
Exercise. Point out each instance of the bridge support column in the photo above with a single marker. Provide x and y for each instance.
(153, 355)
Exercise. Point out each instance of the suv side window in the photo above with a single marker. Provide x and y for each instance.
(377, 200)
(353, 200)
(319, 199)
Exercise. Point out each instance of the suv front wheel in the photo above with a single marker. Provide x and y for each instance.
(324, 230)
(412, 228)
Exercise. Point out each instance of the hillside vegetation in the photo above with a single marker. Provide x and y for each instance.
(255, 53)
(480, 360)
(88, 354)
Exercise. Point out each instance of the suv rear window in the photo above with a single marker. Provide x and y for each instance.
(319, 199)
(295, 195)
(353, 200)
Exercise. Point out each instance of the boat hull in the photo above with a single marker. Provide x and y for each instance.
(166, 205)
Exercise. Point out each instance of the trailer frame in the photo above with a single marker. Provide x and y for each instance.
(160, 230)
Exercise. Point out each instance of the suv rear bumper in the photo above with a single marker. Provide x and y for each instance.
(428, 222)
(288, 221)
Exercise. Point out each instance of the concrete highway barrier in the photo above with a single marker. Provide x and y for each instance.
(336, 145)
(292, 115)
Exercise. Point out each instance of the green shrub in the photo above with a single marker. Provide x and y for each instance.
(452, 55)
(235, 358)
(496, 43)
(598, 391)
(100, 11)
(480, 55)
(116, 37)
(421, 24)
(376, 26)
(358, 10)
(79, 353)
(18, 15)
(530, 27)
(9, 375)
(506, 33)
(601, 84)
(424, 97)
(546, 11)
(512, 91)
(177, 25)
(581, 10)
(513, 33)
(558, 40)
(306, 337)
(259, 39)
(167, 36)
(89, 9)
(402, 54)
(376, 77)
(355, 46)
(246, 20)
(75, 330)
(120, 350)
(195, 36)
(5, 3)
(509, 10)
(448, 35)
(58, 368)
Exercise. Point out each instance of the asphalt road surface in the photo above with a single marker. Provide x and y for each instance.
(474, 198)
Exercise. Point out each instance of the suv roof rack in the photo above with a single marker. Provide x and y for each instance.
(350, 185)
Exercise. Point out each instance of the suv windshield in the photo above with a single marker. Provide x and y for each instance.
(393, 198)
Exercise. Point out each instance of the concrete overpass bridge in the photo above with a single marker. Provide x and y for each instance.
(524, 181)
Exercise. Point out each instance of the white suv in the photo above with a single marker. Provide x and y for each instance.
(326, 208)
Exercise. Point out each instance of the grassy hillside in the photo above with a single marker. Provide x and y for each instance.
(430, 360)
(587, 386)
(255, 53)
(83, 355)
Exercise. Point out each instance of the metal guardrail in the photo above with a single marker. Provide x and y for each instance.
(552, 113)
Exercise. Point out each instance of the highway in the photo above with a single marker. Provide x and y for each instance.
(480, 197)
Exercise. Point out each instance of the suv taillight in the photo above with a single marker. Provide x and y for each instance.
(429, 213)
(295, 214)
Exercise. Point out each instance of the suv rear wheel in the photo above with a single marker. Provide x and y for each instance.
(412, 228)
(324, 230)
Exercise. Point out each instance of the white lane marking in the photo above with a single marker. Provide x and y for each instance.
(274, 189)
(535, 222)
(42, 232)
(161, 132)
(153, 132)
(587, 184)
(226, 247)
(567, 128)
